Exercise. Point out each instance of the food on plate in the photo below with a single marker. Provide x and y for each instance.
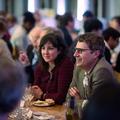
(47, 102)
(50, 101)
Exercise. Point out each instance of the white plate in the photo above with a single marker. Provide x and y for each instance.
(44, 117)
(39, 113)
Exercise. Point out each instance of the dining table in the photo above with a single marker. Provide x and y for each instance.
(58, 111)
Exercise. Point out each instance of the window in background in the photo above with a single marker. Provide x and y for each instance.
(82, 6)
(31, 5)
(61, 7)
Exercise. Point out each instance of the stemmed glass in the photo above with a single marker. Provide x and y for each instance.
(23, 112)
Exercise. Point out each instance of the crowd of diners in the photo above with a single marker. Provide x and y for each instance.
(59, 62)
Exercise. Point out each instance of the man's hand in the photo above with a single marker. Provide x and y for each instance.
(74, 92)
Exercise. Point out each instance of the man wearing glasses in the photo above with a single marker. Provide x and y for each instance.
(91, 70)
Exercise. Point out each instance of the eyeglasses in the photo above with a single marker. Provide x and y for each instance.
(80, 50)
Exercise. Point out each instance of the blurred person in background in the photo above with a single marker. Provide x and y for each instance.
(58, 19)
(111, 37)
(12, 86)
(11, 23)
(87, 15)
(67, 27)
(19, 39)
(93, 25)
(4, 34)
(115, 23)
(30, 57)
(38, 19)
(117, 67)
(54, 73)
(104, 104)
(5, 54)
(32, 49)
(3, 13)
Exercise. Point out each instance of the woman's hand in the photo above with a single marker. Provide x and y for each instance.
(36, 91)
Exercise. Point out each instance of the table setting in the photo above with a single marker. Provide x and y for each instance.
(34, 110)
